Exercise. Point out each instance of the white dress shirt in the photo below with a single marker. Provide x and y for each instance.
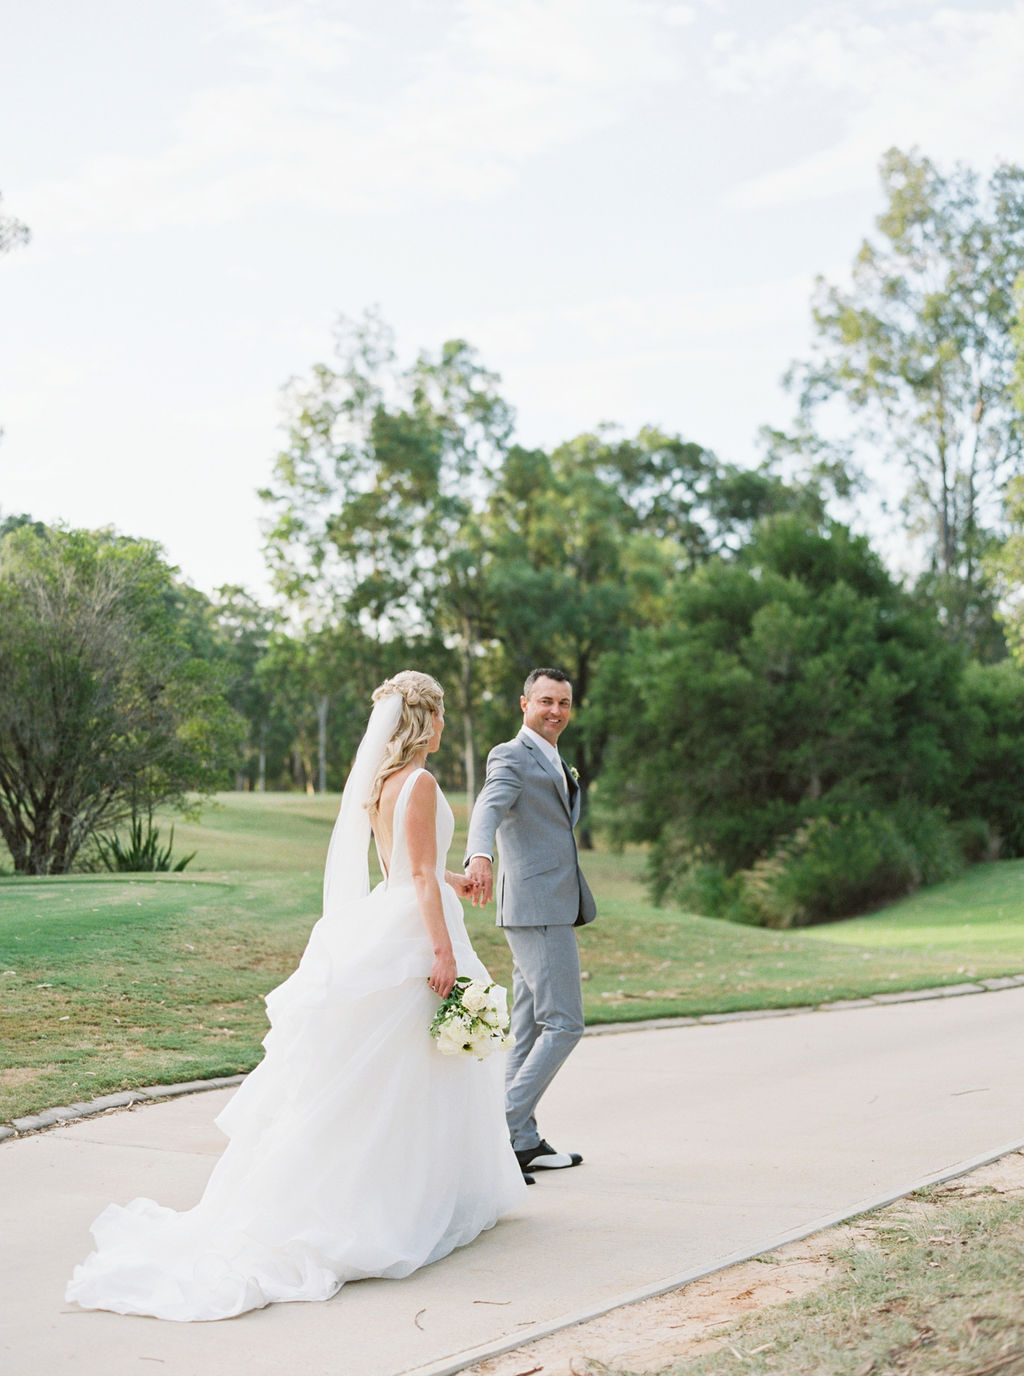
(551, 751)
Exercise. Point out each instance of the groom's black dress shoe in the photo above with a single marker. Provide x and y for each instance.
(543, 1157)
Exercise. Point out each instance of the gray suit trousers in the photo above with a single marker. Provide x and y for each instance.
(547, 1020)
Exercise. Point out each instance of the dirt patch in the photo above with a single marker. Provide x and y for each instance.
(22, 1075)
(652, 1334)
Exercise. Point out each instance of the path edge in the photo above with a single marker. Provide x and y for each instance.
(69, 1113)
(448, 1366)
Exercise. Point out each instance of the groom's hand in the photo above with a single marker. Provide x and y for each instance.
(461, 883)
(481, 872)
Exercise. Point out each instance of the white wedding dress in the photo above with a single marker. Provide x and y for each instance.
(356, 1148)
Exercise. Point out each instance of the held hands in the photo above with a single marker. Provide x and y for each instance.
(480, 873)
(461, 883)
(475, 884)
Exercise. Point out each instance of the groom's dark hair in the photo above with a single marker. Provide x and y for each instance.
(535, 674)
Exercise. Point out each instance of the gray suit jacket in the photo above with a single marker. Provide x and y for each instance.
(523, 807)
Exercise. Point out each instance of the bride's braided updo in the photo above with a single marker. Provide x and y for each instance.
(422, 700)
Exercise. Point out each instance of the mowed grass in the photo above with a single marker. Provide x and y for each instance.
(978, 914)
(112, 982)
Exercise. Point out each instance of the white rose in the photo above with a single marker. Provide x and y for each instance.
(474, 996)
(496, 1012)
(483, 1043)
(453, 1036)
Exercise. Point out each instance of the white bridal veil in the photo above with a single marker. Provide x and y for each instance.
(347, 871)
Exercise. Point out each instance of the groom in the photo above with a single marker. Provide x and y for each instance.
(530, 803)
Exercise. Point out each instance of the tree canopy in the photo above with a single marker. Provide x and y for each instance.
(792, 693)
(107, 709)
(402, 511)
(920, 348)
(756, 695)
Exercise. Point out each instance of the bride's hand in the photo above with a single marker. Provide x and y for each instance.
(461, 883)
(442, 973)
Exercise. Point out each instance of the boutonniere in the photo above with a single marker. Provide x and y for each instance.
(575, 773)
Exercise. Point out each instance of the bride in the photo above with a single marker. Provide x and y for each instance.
(356, 1149)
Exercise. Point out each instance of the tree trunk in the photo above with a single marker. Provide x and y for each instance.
(261, 778)
(468, 718)
(323, 702)
(15, 835)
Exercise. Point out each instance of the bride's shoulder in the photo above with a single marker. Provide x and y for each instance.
(417, 781)
(424, 785)
(394, 783)
(395, 786)
(421, 801)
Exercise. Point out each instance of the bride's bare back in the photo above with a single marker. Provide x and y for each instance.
(383, 821)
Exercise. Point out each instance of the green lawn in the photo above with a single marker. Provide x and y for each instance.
(110, 982)
(981, 916)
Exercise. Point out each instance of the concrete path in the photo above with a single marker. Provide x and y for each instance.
(703, 1145)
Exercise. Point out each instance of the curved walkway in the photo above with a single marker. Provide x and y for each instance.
(67, 1113)
(703, 1144)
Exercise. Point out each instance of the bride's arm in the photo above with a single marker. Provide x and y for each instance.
(421, 843)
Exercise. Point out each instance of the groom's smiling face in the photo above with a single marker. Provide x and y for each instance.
(547, 709)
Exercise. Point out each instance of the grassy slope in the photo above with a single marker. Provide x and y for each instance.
(112, 982)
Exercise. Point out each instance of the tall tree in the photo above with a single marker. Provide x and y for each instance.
(582, 543)
(920, 348)
(1006, 565)
(374, 496)
(565, 572)
(1006, 560)
(319, 681)
(244, 628)
(108, 707)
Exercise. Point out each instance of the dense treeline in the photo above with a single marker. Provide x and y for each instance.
(794, 732)
(800, 738)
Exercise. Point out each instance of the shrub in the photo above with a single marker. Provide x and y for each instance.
(835, 867)
(977, 841)
(142, 853)
(706, 889)
(990, 782)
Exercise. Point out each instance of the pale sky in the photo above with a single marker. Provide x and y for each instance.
(621, 204)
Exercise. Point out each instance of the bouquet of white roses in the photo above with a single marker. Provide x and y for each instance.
(472, 1020)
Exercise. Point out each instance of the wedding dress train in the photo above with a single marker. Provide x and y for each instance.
(356, 1149)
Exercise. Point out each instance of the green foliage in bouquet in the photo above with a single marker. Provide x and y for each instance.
(472, 1020)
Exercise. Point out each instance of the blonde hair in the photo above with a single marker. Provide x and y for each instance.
(422, 700)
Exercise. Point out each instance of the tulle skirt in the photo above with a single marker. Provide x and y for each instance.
(356, 1149)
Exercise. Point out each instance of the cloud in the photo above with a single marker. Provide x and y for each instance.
(498, 83)
(665, 321)
(272, 36)
(679, 16)
(889, 74)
